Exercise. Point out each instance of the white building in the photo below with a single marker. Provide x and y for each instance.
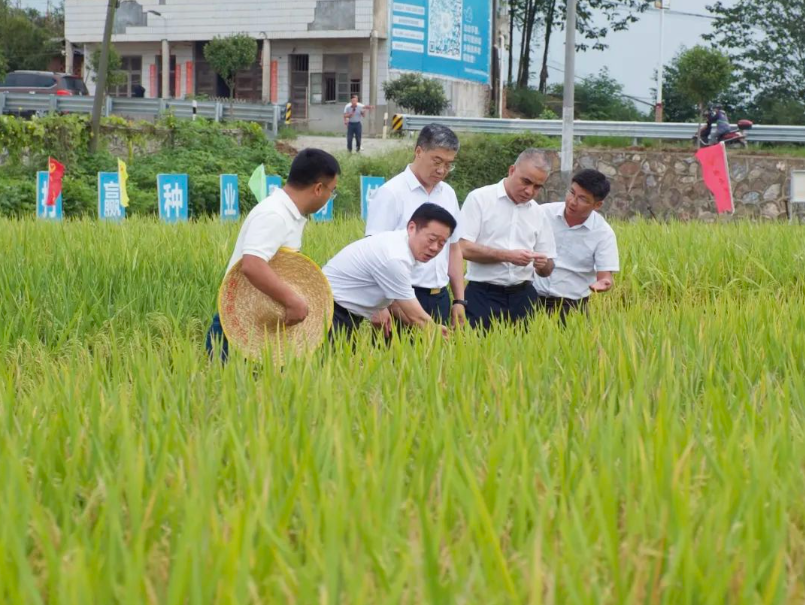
(313, 53)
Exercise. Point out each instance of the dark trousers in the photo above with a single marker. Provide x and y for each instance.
(344, 321)
(487, 302)
(436, 305)
(562, 306)
(354, 129)
(216, 337)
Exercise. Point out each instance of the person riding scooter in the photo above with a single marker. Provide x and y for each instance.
(715, 115)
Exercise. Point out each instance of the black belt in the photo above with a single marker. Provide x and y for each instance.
(482, 285)
(430, 291)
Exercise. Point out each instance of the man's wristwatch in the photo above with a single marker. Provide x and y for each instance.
(459, 301)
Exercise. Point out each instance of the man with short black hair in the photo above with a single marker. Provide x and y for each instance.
(587, 250)
(354, 113)
(393, 203)
(276, 222)
(370, 275)
(505, 239)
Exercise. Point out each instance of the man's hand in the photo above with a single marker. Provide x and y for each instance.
(382, 321)
(458, 316)
(445, 332)
(602, 285)
(296, 311)
(540, 261)
(521, 258)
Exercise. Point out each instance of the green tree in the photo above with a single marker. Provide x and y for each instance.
(3, 66)
(765, 41)
(704, 73)
(229, 55)
(27, 38)
(599, 97)
(114, 76)
(415, 93)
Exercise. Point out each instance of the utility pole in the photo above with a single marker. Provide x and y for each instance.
(100, 78)
(569, 93)
(658, 108)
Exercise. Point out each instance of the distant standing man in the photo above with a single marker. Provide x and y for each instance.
(394, 203)
(354, 112)
(587, 251)
(276, 222)
(505, 239)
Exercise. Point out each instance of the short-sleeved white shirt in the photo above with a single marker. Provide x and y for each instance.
(391, 209)
(356, 115)
(582, 251)
(490, 218)
(272, 224)
(367, 275)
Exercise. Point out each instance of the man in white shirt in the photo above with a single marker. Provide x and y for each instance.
(505, 239)
(278, 221)
(394, 203)
(354, 113)
(373, 274)
(586, 247)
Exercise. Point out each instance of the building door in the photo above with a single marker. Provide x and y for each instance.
(299, 69)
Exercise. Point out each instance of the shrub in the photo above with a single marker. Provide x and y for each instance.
(417, 94)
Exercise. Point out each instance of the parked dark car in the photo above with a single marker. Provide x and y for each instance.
(42, 83)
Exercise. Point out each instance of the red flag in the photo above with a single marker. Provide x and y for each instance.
(716, 175)
(55, 174)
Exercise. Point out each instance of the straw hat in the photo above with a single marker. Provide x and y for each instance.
(249, 318)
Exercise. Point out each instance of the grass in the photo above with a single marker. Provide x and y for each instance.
(651, 454)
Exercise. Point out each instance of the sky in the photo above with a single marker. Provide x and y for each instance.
(632, 56)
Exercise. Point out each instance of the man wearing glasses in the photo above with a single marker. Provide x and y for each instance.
(587, 251)
(506, 238)
(394, 203)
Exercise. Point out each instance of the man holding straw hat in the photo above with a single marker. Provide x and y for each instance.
(375, 273)
(278, 222)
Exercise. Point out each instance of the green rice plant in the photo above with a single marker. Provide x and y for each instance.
(650, 453)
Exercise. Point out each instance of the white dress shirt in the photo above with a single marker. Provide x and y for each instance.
(391, 209)
(370, 273)
(272, 224)
(582, 251)
(490, 218)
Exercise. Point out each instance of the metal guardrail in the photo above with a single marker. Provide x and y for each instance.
(268, 115)
(585, 128)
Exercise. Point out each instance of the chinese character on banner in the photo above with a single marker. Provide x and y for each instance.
(173, 198)
(43, 211)
(110, 199)
(369, 186)
(273, 182)
(716, 175)
(230, 198)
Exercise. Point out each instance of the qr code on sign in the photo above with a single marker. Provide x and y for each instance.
(444, 28)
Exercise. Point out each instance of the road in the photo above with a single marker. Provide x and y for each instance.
(334, 144)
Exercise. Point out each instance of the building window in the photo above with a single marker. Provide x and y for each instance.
(133, 68)
(339, 80)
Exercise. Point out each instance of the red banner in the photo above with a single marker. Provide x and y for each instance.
(274, 81)
(178, 81)
(55, 174)
(716, 175)
(152, 80)
(188, 78)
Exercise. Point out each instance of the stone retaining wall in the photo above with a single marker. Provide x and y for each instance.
(669, 184)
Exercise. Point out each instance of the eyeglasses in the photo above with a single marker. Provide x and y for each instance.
(438, 164)
(577, 197)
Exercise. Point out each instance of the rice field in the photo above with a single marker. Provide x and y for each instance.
(653, 453)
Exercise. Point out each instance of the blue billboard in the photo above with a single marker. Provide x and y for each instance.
(442, 37)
